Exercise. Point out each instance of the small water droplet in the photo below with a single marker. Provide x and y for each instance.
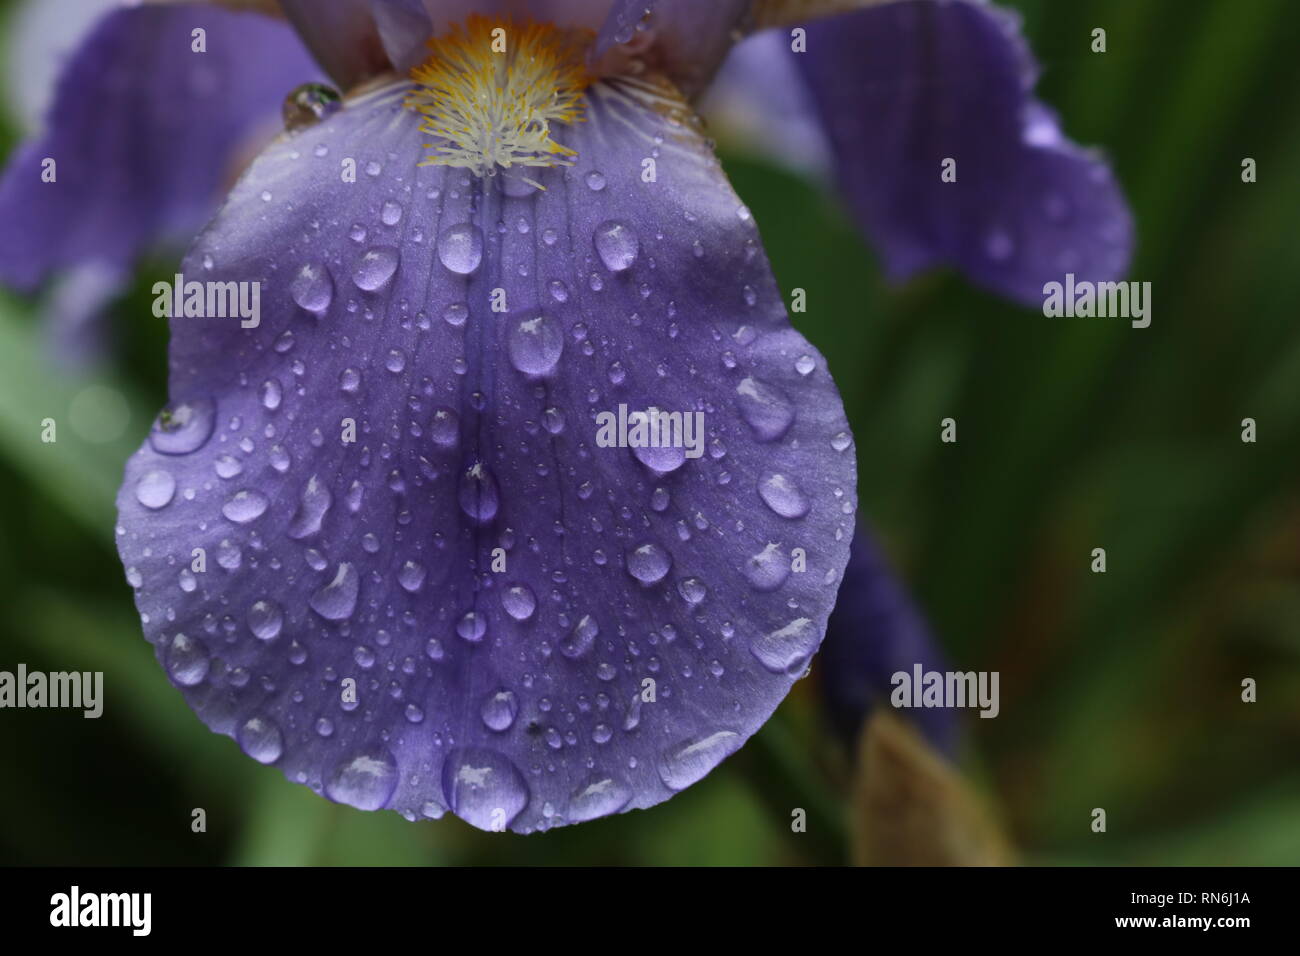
(391, 213)
(595, 180)
(599, 796)
(519, 601)
(313, 504)
(187, 661)
(765, 407)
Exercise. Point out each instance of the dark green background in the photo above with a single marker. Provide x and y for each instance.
(1119, 690)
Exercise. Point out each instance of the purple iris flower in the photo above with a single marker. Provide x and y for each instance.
(397, 531)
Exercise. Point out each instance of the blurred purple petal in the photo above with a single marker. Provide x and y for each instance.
(142, 131)
(505, 684)
(343, 36)
(906, 85)
(876, 631)
(760, 103)
(687, 39)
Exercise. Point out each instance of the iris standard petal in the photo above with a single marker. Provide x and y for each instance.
(875, 632)
(344, 36)
(395, 485)
(686, 39)
(904, 87)
(140, 136)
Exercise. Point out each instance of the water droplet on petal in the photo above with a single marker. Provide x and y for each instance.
(768, 569)
(391, 213)
(616, 244)
(499, 710)
(519, 601)
(664, 459)
(313, 288)
(261, 739)
(765, 407)
(183, 427)
(535, 344)
(245, 506)
(375, 268)
(478, 494)
(308, 104)
(337, 600)
(648, 563)
(460, 248)
(472, 626)
(787, 650)
(781, 494)
(365, 781)
(683, 765)
(411, 576)
(581, 638)
(155, 489)
(483, 788)
(595, 180)
(265, 620)
(187, 660)
(599, 796)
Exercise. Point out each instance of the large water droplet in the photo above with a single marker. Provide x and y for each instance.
(313, 287)
(600, 796)
(535, 344)
(580, 638)
(444, 426)
(483, 788)
(460, 248)
(519, 601)
(337, 600)
(261, 739)
(662, 459)
(245, 506)
(155, 489)
(183, 427)
(787, 649)
(265, 619)
(478, 494)
(313, 505)
(782, 495)
(375, 268)
(616, 244)
(411, 576)
(499, 710)
(768, 569)
(683, 765)
(365, 781)
(187, 660)
(648, 563)
(765, 407)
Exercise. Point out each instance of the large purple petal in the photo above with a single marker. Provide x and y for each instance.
(906, 85)
(875, 632)
(518, 690)
(142, 130)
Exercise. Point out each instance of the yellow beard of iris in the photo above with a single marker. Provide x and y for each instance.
(491, 90)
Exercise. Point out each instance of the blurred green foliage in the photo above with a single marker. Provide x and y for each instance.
(1119, 691)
